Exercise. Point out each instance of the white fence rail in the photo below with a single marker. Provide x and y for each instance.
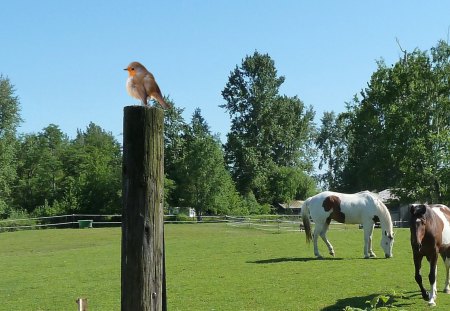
(279, 224)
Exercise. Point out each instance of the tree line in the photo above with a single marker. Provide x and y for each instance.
(394, 134)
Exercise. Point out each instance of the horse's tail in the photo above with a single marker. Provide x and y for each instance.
(306, 221)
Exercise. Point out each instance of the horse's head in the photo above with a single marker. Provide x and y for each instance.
(418, 224)
(387, 242)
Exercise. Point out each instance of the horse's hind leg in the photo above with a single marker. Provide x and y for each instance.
(317, 232)
(323, 235)
(447, 278)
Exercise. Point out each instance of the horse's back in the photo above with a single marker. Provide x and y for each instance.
(359, 207)
(353, 206)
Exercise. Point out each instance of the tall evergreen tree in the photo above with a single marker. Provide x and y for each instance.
(332, 141)
(175, 131)
(267, 130)
(9, 121)
(206, 184)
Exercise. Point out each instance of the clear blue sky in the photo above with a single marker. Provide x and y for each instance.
(65, 58)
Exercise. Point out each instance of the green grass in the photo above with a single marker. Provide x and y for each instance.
(210, 267)
(49, 269)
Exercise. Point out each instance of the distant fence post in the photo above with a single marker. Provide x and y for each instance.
(143, 275)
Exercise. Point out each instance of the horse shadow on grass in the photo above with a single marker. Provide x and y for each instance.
(362, 302)
(291, 259)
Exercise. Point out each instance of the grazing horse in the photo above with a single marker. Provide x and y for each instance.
(359, 208)
(430, 236)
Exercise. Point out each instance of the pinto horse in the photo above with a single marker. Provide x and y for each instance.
(430, 236)
(359, 208)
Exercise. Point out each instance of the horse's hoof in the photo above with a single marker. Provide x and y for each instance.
(332, 254)
(319, 257)
(447, 291)
(426, 296)
(431, 304)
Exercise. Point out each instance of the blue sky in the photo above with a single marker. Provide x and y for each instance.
(66, 58)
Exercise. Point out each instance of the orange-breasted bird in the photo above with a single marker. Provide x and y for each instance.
(141, 84)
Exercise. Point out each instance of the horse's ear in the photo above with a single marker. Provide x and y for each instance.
(412, 209)
(390, 236)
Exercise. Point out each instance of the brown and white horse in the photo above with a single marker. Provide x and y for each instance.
(430, 236)
(359, 208)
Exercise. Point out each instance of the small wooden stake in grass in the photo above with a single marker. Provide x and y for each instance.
(142, 214)
(82, 304)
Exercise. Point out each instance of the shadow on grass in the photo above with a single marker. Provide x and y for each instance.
(361, 302)
(291, 259)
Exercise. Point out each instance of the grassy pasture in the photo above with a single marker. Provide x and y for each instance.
(209, 267)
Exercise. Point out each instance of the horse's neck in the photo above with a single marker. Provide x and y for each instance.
(385, 218)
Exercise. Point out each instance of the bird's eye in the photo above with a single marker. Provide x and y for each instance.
(132, 68)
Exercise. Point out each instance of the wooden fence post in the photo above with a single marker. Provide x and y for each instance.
(143, 275)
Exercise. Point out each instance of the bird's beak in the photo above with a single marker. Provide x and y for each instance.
(126, 69)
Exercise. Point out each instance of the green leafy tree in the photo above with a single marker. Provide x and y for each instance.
(267, 129)
(57, 175)
(40, 169)
(289, 183)
(9, 121)
(98, 173)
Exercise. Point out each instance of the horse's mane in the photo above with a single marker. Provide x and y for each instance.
(384, 216)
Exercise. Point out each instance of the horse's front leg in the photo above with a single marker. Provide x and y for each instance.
(417, 265)
(368, 232)
(323, 235)
(432, 278)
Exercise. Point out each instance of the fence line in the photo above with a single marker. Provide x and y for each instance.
(266, 222)
(58, 216)
(61, 221)
(283, 223)
(273, 223)
(35, 226)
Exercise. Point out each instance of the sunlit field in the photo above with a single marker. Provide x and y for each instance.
(211, 267)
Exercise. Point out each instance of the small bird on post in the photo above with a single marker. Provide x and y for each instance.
(141, 84)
